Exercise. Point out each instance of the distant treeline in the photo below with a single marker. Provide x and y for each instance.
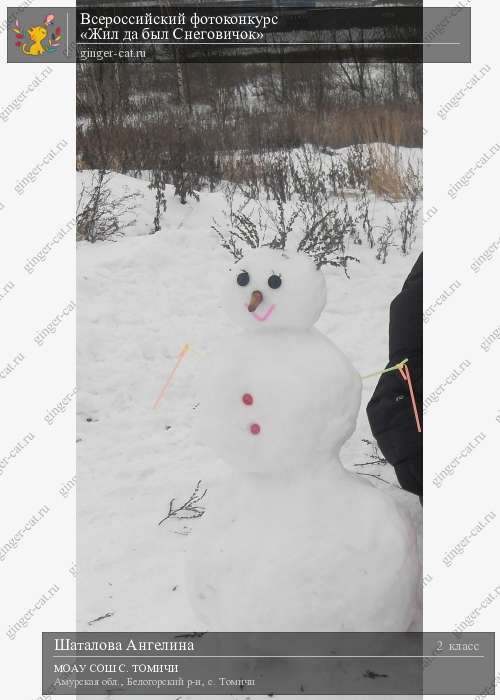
(130, 116)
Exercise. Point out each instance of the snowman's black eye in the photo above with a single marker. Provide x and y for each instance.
(274, 281)
(243, 279)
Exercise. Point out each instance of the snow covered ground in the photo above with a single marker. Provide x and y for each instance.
(140, 299)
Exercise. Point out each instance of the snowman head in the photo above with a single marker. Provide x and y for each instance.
(270, 288)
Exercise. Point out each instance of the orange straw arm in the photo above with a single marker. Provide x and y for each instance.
(406, 374)
(183, 352)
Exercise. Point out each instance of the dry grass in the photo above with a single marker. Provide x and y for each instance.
(137, 145)
(399, 125)
(390, 179)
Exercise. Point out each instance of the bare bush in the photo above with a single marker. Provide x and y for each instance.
(282, 222)
(250, 222)
(158, 182)
(364, 218)
(239, 225)
(245, 172)
(179, 164)
(337, 176)
(349, 223)
(324, 240)
(407, 224)
(385, 241)
(275, 175)
(309, 178)
(326, 231)
(359, 165)
(99, 214)
(325, 228)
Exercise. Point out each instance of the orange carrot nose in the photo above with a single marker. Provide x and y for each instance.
(255, 300)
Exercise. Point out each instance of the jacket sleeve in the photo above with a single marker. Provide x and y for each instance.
(390, 411)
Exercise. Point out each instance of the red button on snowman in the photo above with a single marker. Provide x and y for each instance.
(248, 401)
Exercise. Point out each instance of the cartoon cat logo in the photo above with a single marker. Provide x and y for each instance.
(38, 35)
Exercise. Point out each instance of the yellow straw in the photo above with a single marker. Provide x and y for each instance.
(399, 366)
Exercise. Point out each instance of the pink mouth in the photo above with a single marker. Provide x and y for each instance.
(258, 317)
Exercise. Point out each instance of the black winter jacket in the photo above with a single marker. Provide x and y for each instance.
(390, 411)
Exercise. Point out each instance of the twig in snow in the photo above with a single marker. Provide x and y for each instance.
(371, 464)
(189, 509)
(101, 617)
(377, 477)
(374, 454)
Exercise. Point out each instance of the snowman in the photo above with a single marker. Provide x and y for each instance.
(290, 540)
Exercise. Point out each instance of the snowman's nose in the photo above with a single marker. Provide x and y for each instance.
(255, 300)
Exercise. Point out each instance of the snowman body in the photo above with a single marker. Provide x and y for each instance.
(291, 541)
